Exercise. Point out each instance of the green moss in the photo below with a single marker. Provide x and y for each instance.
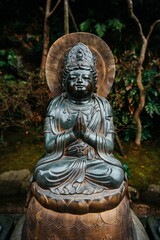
(23, 150)
(143, 163)
(20, 150)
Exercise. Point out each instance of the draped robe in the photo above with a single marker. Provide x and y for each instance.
(79, 167)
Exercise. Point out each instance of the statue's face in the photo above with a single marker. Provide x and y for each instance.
(80, 84)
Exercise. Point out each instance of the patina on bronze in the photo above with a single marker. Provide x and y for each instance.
(79, 189)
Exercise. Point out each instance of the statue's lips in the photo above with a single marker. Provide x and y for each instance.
(80, 86)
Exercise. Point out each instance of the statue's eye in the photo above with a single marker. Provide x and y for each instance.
(86, 77)
(72, 77)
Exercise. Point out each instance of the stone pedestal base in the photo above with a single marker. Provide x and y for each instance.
(44, 224)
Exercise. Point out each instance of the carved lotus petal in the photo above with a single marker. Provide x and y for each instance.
(78, 206)
(109, 216)
(90, 219)
(98, 205)
(50, 216)
(69, 220)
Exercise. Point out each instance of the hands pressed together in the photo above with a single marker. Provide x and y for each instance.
(80, 128)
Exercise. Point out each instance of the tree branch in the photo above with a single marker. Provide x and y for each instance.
(66, 17)
(73, 20)
(54, 9)
(133, 16)
(151, 28)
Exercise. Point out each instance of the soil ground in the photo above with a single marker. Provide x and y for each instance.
(21, 149)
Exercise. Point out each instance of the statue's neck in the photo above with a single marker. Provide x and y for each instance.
(80, 101)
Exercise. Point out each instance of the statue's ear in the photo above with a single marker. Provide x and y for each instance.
(94, 59)
(65, 58)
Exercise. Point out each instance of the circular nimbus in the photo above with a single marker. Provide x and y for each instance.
(104, 61)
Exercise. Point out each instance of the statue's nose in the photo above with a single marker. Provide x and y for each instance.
(80, 79)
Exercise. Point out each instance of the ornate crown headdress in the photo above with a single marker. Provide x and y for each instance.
(80, 56)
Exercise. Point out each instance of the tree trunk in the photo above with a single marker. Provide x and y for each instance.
(141, 96)
(137, 118)
(140, 85)
(66, 17)
(73, 20)
(46, 34)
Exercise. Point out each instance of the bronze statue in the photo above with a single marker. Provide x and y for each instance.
(78, 178)
(79, 133)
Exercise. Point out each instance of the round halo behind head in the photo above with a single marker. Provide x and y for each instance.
(105, 64)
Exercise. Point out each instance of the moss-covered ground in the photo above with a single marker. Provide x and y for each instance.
(22, 149)
(143, 163)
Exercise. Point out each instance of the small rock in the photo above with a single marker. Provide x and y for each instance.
(141, 209)
(151, 195)
(14, 182)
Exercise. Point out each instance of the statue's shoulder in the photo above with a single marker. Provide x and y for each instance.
(103, 100)
(104, 104)
(54, 104)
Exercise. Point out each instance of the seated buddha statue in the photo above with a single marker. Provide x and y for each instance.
(79, 189)
(79, 133)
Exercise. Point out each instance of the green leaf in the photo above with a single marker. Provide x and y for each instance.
(85, 26)
(115, 24)
(2, 52)
(100, 29)
(126, 169)
(125, 119)
(8, 77)
(11, 58)
(3, 64)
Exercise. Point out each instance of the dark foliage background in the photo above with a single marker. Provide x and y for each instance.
(24, 98)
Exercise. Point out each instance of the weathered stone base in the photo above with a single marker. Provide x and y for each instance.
(116, 224)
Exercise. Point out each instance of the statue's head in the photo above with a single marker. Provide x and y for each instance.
(79, 74)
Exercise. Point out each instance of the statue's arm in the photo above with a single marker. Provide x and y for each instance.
(96, 139)
(110, 134)
(53, 137)
(105, 139)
